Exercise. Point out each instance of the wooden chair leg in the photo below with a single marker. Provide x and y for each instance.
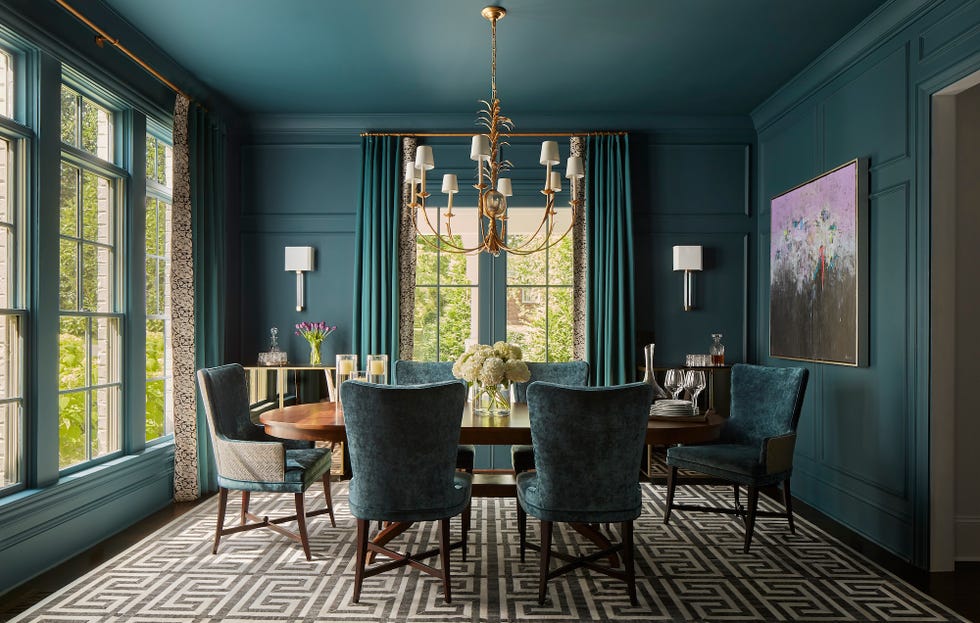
(522, 528)
(246, 495)
(222, 504)
(750, 517)
(671, 485)
(545, 560)
(444, 558)
(328, 498)
(738, 503)
(362, 541)
(788, 501)
(301, 524)
(627, 536)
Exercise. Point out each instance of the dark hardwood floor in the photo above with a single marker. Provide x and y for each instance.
(957, 589)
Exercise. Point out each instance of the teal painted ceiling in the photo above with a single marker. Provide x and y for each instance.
(554, 56)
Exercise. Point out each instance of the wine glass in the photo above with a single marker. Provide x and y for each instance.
(695, 382)
(674, 382)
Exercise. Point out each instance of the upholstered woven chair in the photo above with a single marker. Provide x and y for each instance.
(402, 442)
(563, 373)
(249, 460)
(756, 445)
(587, 445)
(421, 372)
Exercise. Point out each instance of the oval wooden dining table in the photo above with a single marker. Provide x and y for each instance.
(324, 421)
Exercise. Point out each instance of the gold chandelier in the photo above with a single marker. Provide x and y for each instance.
(492, 188)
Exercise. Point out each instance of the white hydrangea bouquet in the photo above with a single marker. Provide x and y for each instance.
(490, 370)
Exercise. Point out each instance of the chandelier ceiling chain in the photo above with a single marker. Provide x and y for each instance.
(492, 189)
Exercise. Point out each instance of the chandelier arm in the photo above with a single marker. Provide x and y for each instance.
(522, 252)
(443, 241)
(547, 210)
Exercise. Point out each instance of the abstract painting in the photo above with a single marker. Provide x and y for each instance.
(818, 269)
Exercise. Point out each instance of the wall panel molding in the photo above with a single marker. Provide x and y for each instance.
(952, 30)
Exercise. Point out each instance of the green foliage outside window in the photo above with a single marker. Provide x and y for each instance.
(539, 302)
(444, 304)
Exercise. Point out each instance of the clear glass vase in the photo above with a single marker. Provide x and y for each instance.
(491, 400)
(648, 376)
(314, 353)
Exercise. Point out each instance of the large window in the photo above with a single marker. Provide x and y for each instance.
(539, 301)
(90, 341)
(447, 295)
(12, 255)
(159, 363)
(531, 306)
(11, 318)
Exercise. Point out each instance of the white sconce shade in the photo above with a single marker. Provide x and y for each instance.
(480, 148)
(410, 173)
(574, 168)
(688, 258)
(549, 153)
(449, 184)
(299, 260)
(504, 187)
(423, 158)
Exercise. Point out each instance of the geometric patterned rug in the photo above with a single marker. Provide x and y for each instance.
(690, 570)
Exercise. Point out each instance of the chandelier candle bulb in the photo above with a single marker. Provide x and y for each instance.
(504, 187)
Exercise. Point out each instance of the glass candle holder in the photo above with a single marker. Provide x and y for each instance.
(377, 369)
(346, 367)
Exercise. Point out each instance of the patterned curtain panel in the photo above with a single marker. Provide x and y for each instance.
(406, 261)
(376, 288)
(181, 292)
(609, 230)
(580, 259)
(198, 285)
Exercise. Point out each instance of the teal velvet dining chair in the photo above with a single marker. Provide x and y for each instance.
(587, 445)
(249, 460)
(402, 442)
(755, 448)
(574, 373)
(409, 372)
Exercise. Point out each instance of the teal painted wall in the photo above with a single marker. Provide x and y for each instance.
(862, 456)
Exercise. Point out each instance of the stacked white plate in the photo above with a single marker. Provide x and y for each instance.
(671, 408)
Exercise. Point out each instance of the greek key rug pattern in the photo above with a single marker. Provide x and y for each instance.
(690, 570)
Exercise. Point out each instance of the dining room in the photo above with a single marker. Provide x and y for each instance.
(546, 310)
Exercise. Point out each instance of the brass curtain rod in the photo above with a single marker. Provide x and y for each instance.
(102, 37)
(532, 134)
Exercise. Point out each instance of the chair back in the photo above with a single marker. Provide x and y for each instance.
(225, 398)
(402, 442)
(766, 402)
(588, 443)
(574, 373)
(420, 372)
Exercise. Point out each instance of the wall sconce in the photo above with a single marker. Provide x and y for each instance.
(688, 259)
(299, 260)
